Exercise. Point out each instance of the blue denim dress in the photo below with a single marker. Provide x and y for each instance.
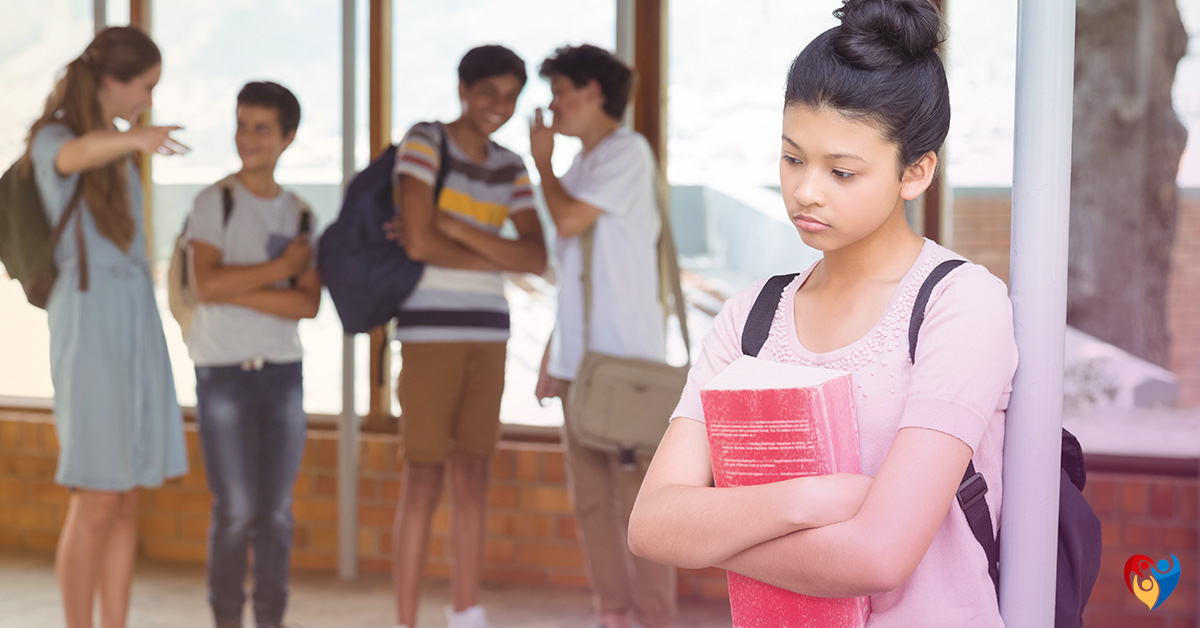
(119, 424)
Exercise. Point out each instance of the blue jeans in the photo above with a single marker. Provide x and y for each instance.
(252, 429)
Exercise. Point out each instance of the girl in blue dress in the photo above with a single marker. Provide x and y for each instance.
(118, 422)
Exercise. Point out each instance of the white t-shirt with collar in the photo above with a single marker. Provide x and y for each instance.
(259, 229)
(616, 176)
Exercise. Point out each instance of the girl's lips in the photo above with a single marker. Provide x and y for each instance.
(807, 223)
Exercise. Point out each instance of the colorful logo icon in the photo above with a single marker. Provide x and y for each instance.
(1149, 582)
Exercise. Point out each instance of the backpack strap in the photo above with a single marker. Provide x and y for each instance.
(80, 244)
(938, 273)
(226, 186)
(758, 323)
(973, 488)
(443, 167)
(227, 201)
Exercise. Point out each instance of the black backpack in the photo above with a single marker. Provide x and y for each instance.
(26, 241)
(369, 276)
(1079, 537)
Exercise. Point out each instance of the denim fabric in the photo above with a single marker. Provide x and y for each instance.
(252, 428)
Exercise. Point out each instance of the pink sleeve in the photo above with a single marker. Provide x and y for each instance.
(965, 359)
(721, 346)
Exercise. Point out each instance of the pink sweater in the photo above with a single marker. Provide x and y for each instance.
(959, 385)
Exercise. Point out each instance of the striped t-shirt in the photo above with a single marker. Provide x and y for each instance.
(450, 304)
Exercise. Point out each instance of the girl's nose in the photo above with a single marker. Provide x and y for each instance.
(807, 191)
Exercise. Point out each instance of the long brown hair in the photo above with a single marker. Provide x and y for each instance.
(123, 53)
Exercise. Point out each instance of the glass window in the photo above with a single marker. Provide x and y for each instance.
(1186, 94)
(726, 102)
(210, 50)
(429, 40)
(36, 42)
(981, 64)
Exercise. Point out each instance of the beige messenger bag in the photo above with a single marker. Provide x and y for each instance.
(623, 405)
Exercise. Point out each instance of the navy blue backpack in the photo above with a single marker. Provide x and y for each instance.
(1078, 562)
(368, 275)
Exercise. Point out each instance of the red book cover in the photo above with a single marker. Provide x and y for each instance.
(767, 422)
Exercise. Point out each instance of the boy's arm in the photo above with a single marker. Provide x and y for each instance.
(571, 216)
(291, 303)
(216, 282)
(526, 254)
(422, 240)
(680, 519)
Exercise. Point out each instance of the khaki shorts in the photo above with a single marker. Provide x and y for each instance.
(450, 398)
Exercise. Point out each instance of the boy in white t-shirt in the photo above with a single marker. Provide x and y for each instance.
(251, 260)
(610, 188)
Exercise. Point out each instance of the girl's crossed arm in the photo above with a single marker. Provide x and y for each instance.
(680, 519)
(879, 547)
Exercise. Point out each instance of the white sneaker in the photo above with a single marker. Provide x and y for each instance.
(473, 617)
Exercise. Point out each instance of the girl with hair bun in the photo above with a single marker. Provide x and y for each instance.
(119, 425)
(866, 110)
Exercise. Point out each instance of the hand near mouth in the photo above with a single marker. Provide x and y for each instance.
(541, 138)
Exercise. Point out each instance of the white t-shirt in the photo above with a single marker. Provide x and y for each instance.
(617, 176)
(259, 229)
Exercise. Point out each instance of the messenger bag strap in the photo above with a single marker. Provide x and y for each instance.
(668, 259)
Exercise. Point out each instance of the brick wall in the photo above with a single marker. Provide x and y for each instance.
(531, 530)
(982, 223)
(1151, 515)
(982, 228)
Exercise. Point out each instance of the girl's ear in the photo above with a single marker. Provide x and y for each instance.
(462, 91)
(917, 177)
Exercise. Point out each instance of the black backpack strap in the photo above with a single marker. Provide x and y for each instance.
(979, 517)
(443, 167)
(973, 487)
(227, 199)
(918, 314)
(758, 323)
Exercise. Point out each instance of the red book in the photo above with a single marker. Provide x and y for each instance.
(767, 422)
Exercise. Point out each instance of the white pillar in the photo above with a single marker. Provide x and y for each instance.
(348, 425)
(626, 42)
(1038, 280)
(99, 14)
(626, 20)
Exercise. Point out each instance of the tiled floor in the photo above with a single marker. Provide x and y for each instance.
(170, 596)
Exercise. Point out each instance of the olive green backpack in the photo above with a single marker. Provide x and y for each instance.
(26, 240)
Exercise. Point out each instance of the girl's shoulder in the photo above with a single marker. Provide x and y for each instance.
(969, 290)
(52, 135)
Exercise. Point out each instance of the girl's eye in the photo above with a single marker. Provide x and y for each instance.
(792, 160)
(843, 175)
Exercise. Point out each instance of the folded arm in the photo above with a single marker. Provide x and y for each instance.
(680, 519)
(423, 241)
(878, 548)
(216, 282)
(296, 303)
(525, 254)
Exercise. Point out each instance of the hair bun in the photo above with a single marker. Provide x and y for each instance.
(879, 34)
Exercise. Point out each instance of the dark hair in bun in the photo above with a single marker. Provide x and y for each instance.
(880, 66)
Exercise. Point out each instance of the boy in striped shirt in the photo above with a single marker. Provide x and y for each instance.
(454, 327)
